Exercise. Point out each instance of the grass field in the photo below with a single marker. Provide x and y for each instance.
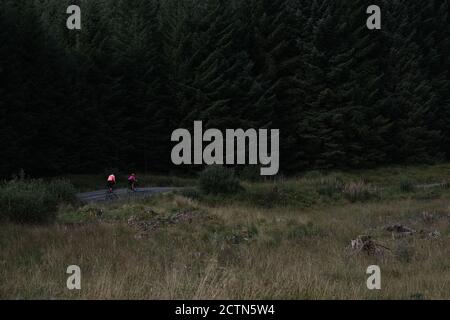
(283, 239)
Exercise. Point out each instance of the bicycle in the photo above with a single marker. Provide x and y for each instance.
(132, 186)
(110, 195)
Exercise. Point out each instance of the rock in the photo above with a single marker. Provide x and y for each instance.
(144, 225)
(434, 234)
(365, 244)
(132, 221)
(399, 229)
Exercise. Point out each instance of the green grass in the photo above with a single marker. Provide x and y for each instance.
(388, 176)
(335, 188)
(282, 239)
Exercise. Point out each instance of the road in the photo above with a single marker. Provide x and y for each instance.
(100, 195)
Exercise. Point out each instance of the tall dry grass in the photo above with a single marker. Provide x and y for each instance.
(229, 252)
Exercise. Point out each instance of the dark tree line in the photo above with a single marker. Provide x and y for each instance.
(110, 95)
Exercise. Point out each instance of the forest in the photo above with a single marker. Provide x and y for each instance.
(110, 95)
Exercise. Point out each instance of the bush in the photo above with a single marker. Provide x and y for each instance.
(406, 184)
(27, 202)
(33, 201)
(218, 180)
(63, 190)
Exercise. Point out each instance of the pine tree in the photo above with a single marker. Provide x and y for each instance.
(111, 94)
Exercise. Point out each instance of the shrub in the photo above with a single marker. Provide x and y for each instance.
(358, 191)
(33, 201)
(25, 201)
(63, 190)
(218, 180)
(406, 184)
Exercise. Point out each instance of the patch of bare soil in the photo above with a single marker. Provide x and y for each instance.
(145, 225)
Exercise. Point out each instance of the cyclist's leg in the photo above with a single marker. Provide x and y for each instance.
(113, 193)
(108, 191)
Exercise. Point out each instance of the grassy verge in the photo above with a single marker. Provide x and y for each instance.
(285, 239)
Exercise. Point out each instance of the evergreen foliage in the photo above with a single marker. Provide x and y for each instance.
(110, 95)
